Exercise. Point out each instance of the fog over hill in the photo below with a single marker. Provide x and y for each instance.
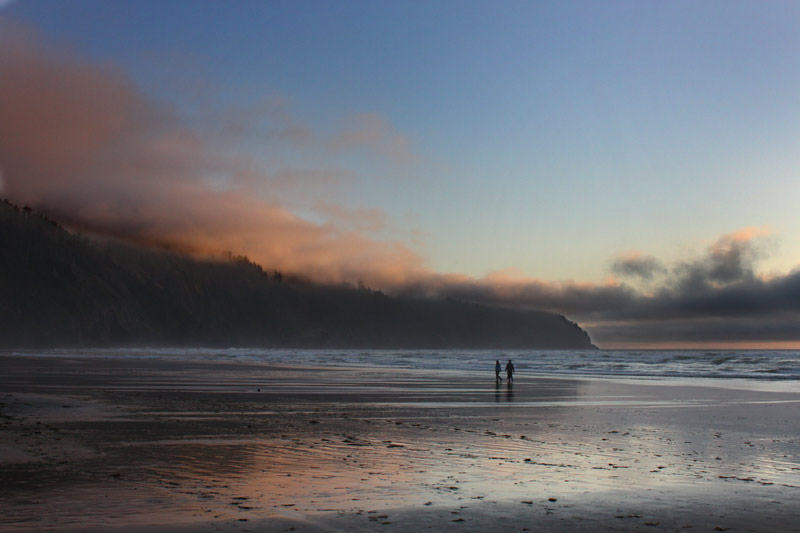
(59, 288)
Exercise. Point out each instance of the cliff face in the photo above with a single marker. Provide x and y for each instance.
(62, 289)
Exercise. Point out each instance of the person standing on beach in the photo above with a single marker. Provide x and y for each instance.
(497, 367)
(510, 371)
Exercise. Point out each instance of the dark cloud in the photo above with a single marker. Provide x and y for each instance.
(731, 260)
(637, 265)
(715, 297)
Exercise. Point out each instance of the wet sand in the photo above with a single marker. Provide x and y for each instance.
(101, 444)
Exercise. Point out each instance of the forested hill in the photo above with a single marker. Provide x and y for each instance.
(62, 289)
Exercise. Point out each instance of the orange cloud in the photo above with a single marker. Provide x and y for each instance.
(746, 234)
(81, 142)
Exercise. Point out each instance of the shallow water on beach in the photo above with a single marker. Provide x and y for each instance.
(129, 441)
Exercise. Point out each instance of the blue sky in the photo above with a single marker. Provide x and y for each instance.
(545, 137)
(554, 134)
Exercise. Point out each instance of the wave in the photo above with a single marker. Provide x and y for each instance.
(745, 364)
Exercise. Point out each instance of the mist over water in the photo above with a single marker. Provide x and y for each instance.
(720, 364)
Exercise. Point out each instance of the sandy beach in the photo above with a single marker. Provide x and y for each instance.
(95, 444)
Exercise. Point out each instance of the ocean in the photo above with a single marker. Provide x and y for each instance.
(769, 365)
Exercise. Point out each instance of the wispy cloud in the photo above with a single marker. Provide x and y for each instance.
(372, 132)
(362, 219)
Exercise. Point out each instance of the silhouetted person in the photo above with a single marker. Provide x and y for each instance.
(497, 367)
(510, 371)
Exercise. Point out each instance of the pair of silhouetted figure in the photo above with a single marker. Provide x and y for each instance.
(509, 371)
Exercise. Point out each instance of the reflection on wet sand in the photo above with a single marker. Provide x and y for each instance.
(355, 447)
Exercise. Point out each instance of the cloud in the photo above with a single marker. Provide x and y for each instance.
(361, 219)
(730, 259)
(81, 142)
(373, 132)
(635, 264)
(716, 296)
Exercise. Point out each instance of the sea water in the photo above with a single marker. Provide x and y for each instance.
(723, 364)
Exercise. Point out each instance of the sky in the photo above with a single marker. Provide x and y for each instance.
(633, 165)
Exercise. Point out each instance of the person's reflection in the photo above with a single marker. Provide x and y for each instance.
(509, 391)
(496, 391)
